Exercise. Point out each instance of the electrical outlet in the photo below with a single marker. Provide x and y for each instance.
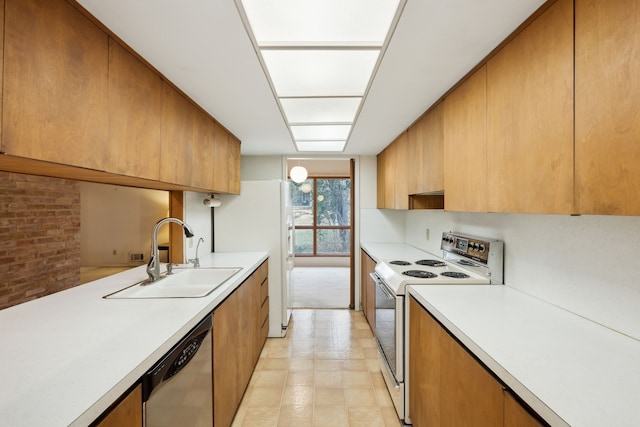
(427, 234)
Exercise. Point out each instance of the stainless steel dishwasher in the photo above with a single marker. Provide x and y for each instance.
(178, 390)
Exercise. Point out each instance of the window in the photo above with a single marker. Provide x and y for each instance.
(322, 216)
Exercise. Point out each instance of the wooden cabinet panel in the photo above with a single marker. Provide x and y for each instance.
(128, 413)
(238, 337)
(55, 84)
(203, 143)
(225, 361)
(469, 395)
(607, 104)
(234, 165)
(381, 179)
(176, 155)
(368, 289)
(221, 166)
(517, 416)
(465, 145)
(425, 336)
(425, 151)
(135, 111)
(530, 117)
(400, 173)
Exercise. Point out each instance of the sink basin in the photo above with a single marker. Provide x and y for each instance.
(183, 283)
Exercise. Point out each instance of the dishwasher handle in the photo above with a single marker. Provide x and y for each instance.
(176, 359)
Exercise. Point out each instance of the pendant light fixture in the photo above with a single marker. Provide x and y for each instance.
(298, 174)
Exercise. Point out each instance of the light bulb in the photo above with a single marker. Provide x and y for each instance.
(298, 174)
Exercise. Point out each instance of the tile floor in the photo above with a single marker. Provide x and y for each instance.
(323, 373)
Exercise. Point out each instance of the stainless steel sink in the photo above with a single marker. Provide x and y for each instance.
(183, 283)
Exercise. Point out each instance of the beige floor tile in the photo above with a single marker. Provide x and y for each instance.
(261, 416)
(267, 364)
(365, 417)
(330, 416)
(329, 365)
(271, 379)
(295, 416)
(300, 378)
(360, 397)
(298, 395)
(325, 396)
(390, 417)
(357, 379)
(328, 378)
(265, 396)
(301, 364)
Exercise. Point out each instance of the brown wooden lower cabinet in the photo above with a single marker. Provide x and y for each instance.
(238, 338)
(449, 387)
(368, 289)
(127, 413)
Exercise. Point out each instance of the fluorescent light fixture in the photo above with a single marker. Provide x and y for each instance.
(320, 57)
(320, 21)
(319, 72)
(320, 110)
(320, 145)
(320, 132)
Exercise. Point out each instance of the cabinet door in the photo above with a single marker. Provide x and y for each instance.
(469, 395)
(226, 345)
(221, 166)
(135, 111)
(607, 105)
(203, 151)
(234, 165)
(381, 179)
(465, 145)
(178, 122)
(425, 336)
(425, 148)
(55, 84)
(128, 413)
(400, 173)
(530, 117)
(515, 415)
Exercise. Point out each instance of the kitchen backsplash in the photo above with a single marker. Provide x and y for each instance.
(585, 264)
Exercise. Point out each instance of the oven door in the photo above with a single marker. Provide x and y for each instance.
(389, 325)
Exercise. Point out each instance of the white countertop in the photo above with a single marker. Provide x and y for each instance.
(66, 357)
(392, 251)
(570, 370)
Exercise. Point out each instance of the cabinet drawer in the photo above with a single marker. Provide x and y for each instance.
(264, 291)
(262, 272)
(264, 310)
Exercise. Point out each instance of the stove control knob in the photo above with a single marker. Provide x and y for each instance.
(482, 248)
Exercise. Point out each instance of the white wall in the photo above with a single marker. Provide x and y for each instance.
(585, 264)
(118, 219)
(198, 217)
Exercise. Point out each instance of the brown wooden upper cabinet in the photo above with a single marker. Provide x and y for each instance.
(607, 145)
(55, 85)
(135, 113)
(465, 145)
(425, 153)
(393, 190)
(75, 98)
(530, 117)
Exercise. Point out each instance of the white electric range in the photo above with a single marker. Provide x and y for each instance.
(466, 260)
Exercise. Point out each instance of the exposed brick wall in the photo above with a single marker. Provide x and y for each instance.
(39, 237)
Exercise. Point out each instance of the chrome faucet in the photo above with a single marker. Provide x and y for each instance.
(196, 261)
(153, 266)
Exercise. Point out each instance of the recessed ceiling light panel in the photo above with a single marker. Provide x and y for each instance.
(320, 72)
(320, 21)
(320, 110)
(324, 146)
(320, 132)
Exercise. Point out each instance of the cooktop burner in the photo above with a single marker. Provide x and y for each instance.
(467, 263)
(431, 263)
(455, 274)
(421, 274)
(400, 262)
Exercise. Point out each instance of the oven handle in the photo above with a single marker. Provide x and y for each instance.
(383, 286)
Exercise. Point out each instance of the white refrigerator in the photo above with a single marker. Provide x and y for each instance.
(261, 219)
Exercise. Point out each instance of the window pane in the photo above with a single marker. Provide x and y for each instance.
(302, 200)
(334, 202)
(304, 242)
(333, 241)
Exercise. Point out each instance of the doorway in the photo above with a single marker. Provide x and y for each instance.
(322, 276)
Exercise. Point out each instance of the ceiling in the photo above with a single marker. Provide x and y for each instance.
(203, 48)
